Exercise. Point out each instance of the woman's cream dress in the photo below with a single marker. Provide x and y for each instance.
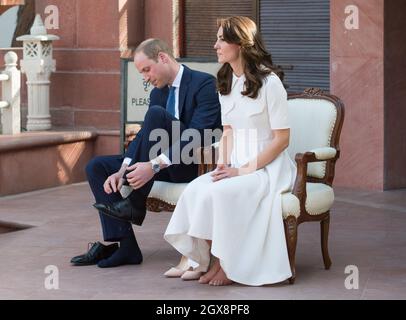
(241, 215)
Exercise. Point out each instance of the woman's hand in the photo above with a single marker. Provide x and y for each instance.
(223, 171)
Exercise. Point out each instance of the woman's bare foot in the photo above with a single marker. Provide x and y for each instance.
(204, 279)
(220, 279)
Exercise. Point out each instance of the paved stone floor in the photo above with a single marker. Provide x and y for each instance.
(368, 230)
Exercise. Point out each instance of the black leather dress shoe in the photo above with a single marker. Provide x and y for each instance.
(122, 210)
(97, 252)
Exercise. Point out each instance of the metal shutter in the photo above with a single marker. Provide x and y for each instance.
(200, 23)
(297, 33)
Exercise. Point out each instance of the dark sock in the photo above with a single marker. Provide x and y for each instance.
(128, 253)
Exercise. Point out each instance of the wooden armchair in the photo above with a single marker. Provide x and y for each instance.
(316, 122)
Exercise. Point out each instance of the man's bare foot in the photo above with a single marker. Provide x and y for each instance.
(204, 279)
(220, 279)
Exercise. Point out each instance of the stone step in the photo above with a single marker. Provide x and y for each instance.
(38, 160)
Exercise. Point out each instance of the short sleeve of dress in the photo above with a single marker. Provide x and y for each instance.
(277, 103)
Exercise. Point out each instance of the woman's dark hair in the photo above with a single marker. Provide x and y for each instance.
(257, 61)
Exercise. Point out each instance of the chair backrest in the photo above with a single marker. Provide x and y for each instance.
(316, 120)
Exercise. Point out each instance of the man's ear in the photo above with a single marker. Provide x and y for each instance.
(163, 57)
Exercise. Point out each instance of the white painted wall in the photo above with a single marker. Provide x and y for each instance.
(8, 23)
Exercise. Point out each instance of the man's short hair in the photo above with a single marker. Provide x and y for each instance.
(152, 47)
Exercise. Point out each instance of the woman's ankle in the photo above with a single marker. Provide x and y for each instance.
(204, 279)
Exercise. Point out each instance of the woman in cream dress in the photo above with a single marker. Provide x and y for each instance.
(235, 212)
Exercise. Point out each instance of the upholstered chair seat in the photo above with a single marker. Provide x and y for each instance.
(164, 195)
(320, 198)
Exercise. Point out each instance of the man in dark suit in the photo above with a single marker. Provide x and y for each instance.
(182, 100)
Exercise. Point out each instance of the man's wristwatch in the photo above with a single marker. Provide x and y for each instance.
(155, 166)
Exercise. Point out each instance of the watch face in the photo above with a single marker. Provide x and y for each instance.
(156, 168)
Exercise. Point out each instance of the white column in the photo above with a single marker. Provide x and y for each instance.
(38, 117)
(11, 116)
(38, 66)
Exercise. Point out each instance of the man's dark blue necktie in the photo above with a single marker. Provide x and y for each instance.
(170, 103)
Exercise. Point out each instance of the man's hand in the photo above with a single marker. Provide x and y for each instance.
(223, 171)
(140, 174)
(114, 182)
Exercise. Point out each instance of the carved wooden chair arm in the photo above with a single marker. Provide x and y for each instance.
(129, 137)
(302, 160)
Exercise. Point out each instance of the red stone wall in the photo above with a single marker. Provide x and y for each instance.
(357, 77)
(39, 160)
(85, 91)
(158, 20)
